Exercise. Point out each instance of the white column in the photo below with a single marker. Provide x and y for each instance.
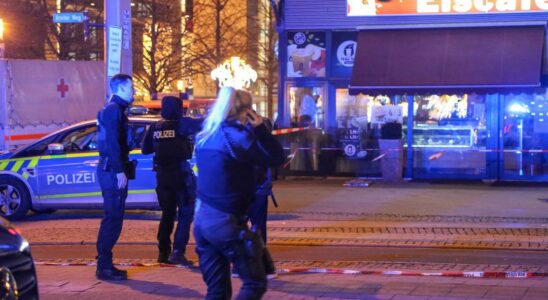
(2, 46)
(118, 53)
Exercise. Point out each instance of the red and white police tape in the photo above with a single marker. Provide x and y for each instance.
(287, 130)
(463, 274)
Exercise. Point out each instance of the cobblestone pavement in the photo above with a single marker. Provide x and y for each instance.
(171, 283)
(340, 216)
(483, 235)
(322, 212)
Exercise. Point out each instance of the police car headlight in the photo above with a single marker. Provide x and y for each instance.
(24, 246)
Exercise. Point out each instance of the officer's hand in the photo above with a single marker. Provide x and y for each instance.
(122, 180)
(253, 118)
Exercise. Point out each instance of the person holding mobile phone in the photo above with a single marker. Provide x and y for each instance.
(232, 142)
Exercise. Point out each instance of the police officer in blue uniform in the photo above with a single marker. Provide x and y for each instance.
(113, 171)
(232, 142)
(170, 141)
(258, 210)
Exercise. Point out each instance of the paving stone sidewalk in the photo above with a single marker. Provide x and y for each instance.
(323, 212)
(519, 213)
(172, 283)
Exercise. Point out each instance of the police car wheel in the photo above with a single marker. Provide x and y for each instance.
(14, 198)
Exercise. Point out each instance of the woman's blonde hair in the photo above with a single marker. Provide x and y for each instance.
(229, 105)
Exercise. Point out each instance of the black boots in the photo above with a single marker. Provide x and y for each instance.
(111, 273)
(178, 258)
(107, 271)
(163, 258)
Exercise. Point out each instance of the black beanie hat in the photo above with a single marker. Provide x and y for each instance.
(172, 108)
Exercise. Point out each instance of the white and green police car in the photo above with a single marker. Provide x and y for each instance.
(59, 172)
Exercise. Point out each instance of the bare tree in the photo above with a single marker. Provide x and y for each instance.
(66, 41)
(219, 31)
(157, 48)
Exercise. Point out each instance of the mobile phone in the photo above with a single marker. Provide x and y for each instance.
(250, 117)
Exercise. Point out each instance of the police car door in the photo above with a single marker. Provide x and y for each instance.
(68, 177)
(141, 192)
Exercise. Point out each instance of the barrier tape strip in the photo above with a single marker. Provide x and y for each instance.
(462, 274)
(450, 149)
(436, 155)
(288, 130)
(289, 158)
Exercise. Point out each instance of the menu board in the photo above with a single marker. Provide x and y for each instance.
(386, 113)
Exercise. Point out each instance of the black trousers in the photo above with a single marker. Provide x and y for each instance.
(218, 244)
(258, 213)
(176, 196)
(114, 201)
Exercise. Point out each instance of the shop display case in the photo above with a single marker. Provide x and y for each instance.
(444, 137)
(446, 149)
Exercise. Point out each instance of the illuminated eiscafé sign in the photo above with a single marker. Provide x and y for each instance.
(419, 7)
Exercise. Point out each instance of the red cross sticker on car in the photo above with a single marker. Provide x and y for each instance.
(62, 87)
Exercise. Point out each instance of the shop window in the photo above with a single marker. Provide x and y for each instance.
(306, 105)
(525, 135)
(358, 123)
(449, 134)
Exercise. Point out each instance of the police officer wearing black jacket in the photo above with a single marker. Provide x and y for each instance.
(113, 171)
(169, 140)
(232, 142)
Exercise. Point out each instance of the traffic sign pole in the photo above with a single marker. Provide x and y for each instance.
(118, 56)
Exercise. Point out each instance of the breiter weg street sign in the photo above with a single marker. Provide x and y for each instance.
(69, 17)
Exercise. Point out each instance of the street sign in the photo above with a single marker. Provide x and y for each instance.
(71, 17)
(114, 54)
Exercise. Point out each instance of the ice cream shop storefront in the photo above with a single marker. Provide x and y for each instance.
(466, 79)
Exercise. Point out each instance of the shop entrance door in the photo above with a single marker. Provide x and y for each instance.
(306, 111)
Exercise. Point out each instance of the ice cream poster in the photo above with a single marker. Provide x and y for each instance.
(306, 54)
